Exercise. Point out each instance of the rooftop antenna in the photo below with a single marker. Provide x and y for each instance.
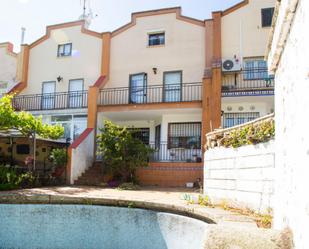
(23, 30)
(89, 16)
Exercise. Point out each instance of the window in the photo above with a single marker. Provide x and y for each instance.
(172, 86)
(76, 96)
(157, 136)
(141, 134)
(73, 125)
(184, 135)
(231, 119)
(48, 95)
(138, 88)
(22, 149)
(267, 16)
(156, 39)
(64, 50)
(255, 69)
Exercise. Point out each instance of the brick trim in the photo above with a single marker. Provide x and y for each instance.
(81, 138)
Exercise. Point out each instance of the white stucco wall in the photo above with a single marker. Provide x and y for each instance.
(242, 31)
(85, 62)
(82, 157)
(8, 67)
(262, 104)
(244, 176)
(291, 104)
(184, 50)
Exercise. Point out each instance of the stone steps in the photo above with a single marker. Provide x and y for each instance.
(92, 176)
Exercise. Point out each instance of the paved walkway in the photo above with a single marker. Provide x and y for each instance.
(164, 199)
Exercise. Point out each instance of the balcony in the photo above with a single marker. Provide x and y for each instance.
(255, 82)
(51, 101)
(186, 92)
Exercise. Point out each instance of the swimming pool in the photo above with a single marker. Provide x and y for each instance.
(45, 226)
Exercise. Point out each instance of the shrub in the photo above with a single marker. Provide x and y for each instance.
(59, 157)
(122, 153)
(251, 134)
(10, 179)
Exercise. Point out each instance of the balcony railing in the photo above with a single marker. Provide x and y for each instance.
(231, 119)
(186, 92)
(247, 83)
(165, 154)
(51, 101)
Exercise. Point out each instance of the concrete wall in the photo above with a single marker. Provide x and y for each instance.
(184, 50)
(85, 62)
(292, 153)
(242, 32)
(243, 176)
(82, 157)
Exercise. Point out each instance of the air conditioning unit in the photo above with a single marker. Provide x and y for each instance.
(231, 65)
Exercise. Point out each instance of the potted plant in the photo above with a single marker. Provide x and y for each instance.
(59, 158)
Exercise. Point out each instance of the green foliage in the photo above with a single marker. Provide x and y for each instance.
(59, 157)
(10, 179)
(128, 186)
(122, 153)
(251, 134)
(25, 122)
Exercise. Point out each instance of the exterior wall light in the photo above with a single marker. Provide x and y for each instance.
(59, 78)
(154, 69)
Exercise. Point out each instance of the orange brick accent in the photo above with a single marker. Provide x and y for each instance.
(106, 45)
(170, 174)
(93, 94)
(207, 112)
(216, 71)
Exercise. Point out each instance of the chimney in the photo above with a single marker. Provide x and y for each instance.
(23, 30)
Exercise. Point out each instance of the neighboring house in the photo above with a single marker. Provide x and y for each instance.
(288, 59)
(159, 75)
(8, 66)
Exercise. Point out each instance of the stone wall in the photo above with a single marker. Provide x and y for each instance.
(242, 177)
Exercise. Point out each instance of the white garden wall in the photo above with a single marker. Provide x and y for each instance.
(244, 176)
(290, 62)
(82, 157)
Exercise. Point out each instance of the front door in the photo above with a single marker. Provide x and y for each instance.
(172, 86)
(48, 94)
(76, 88)
(138, 88)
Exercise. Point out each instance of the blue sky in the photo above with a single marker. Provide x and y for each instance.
(35, 15)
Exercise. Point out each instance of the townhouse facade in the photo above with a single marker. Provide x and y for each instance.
(168, 77)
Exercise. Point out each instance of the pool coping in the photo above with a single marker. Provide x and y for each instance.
(206, 214)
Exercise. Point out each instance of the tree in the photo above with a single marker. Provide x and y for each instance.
(122, 153)
(26, 123)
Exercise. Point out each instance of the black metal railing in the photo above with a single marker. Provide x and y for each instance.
(186, 92)
(236, 118)
(51, 101)
(163, 153)
(248, 82)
